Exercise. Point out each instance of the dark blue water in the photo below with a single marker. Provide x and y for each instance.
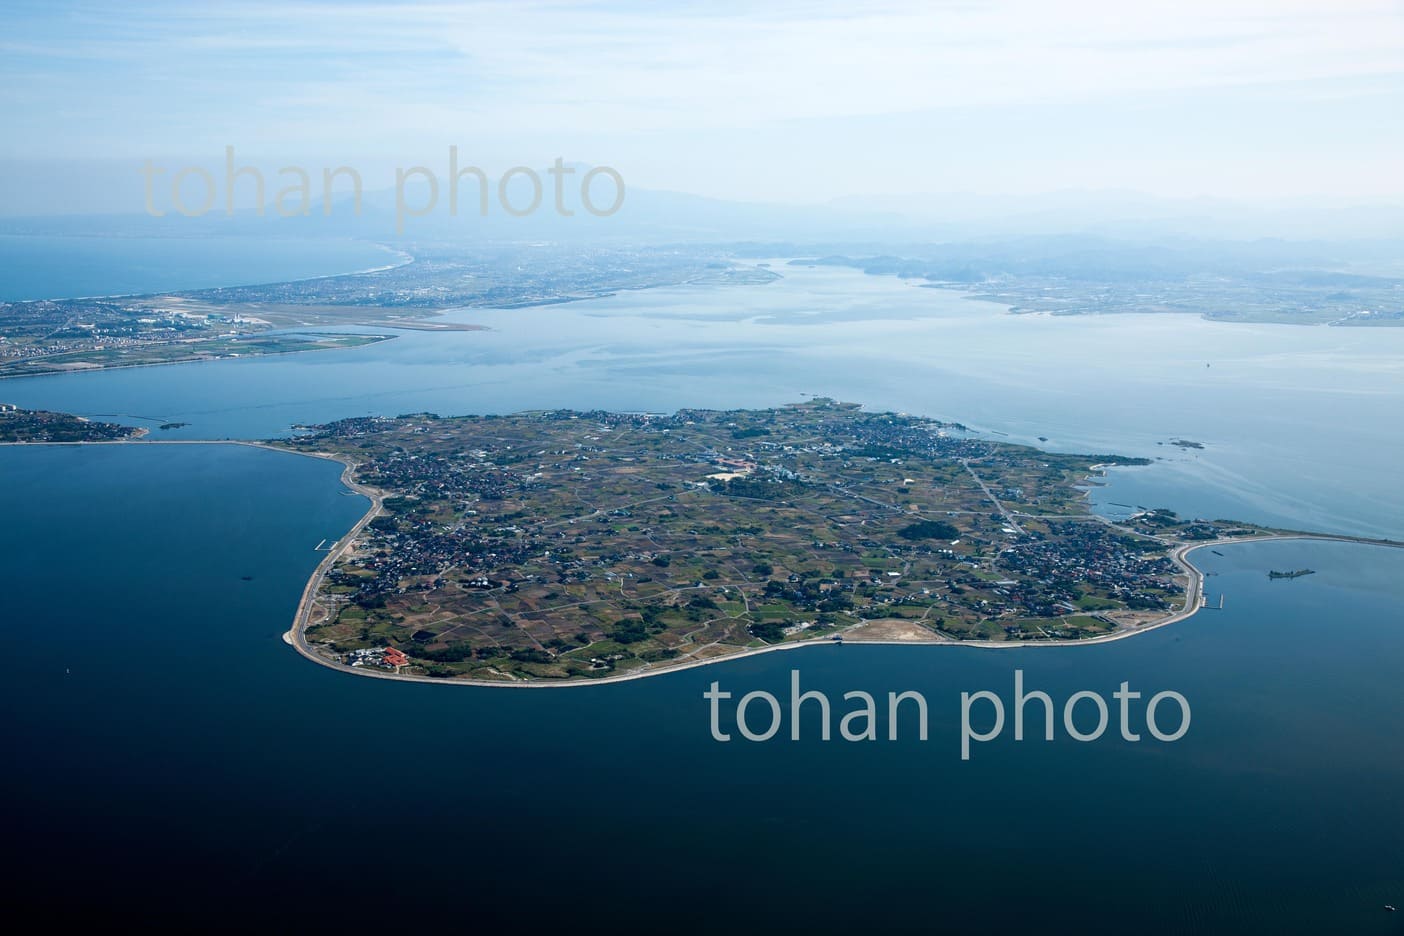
(64, 267)
(166, 751)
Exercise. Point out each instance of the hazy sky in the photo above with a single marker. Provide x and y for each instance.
(791, 102)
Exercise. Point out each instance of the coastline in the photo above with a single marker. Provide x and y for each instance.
(401, 258)
(297, 639)
(1194, 603)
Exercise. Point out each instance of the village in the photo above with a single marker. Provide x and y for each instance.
(564, 544)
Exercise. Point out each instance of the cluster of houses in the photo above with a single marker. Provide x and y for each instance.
(1088, 553)
(1035, 574)
(380, 657)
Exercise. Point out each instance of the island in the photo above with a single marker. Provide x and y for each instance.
(559, 546)
(565, 548)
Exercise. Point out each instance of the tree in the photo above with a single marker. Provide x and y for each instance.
(769, 631)
(929, 529)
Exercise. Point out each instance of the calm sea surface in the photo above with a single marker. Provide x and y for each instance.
(165, 745)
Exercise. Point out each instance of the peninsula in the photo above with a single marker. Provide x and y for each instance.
(21, 425)
(53, 336)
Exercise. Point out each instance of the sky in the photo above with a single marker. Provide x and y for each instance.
(784, 102)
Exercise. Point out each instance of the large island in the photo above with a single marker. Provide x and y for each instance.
(573, 546)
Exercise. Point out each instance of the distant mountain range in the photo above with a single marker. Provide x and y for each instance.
(116, 196)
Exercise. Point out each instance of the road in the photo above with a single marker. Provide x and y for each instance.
(1003, 511)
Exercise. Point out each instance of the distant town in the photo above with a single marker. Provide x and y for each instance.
(59, 335)
(1078, 278)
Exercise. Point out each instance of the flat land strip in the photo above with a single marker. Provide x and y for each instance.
(21, 425)
(50, 336)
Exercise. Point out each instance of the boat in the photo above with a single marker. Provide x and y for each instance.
(1295, 573)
